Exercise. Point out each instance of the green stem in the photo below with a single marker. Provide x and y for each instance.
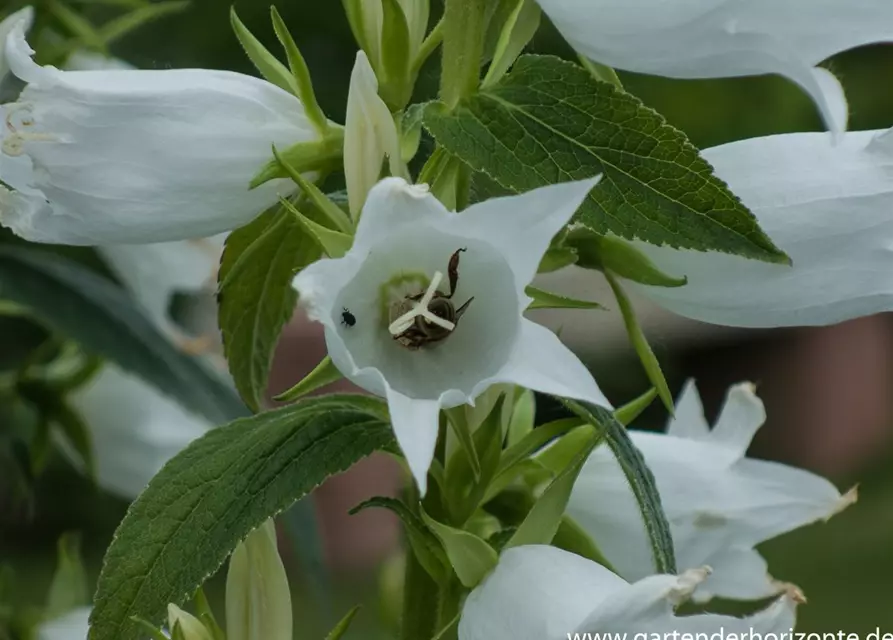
(463, 47)
(420, 602)
(448, 610)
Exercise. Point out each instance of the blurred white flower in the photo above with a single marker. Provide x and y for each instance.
(120, 157)
(426, 309)
(135, 429)
(719, 38)
(719, 503)
(70, 626)
(826, 205)
(258, 598)
(544, 593)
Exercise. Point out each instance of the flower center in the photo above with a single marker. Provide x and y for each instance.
(19, 121)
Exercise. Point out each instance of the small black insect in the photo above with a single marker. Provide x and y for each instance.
(347, 318)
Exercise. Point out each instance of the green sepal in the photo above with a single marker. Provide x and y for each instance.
(264, 61)
(548, 300)
(426, 546)
(557, 258)
(334, 243)
(341, 628)
(606, 252)
(411, 131)
(322, 155)
(541, 524)
(521, 421)
(353, 9)
(633, 409)
(572, 537)
(470, 556)
(205, 615)
(328, 208)
(154, 632)
(640, 343)
(300, 73)
(323, 374)
(600, 71)
(520, 28)
(462, 430)
(395, 85)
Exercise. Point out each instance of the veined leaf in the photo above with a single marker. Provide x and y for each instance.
(217, 490)
(550, 121)
(102, 317)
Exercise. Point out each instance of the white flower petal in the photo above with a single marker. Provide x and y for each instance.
(522, 226)
(70, 626)
(535, 593)
(827, 206)
(125, 157)
(135, 429)
(718, 38)
(689, 421)
(85, 60)
(719, 504)
(416, 425)
(370, 134)
(540, 361)
(26, 17)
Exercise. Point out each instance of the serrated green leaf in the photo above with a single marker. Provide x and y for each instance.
(541, 524)
(325, 373)
(343, 625)
(425, 545)
(264, 61)
(549, 121)
(219, 489)
(103, 318)
(604, 252)
(121, 26)
(69, 589)
(471, 557)
(547, 300)
(640, 343)
(255, 295)
(640, 478)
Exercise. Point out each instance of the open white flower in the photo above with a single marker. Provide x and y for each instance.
(722, 38)
(544, 593)
(719, 503)
(407, 251)
(827, 205)
(26, 17)
(119, 157)
(135, 429)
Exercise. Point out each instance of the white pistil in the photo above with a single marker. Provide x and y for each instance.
(420, 308)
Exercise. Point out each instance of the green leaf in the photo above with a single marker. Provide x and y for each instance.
(472, 558)
(265, 62)
(333, 243)
(119, 27)
(557, 258)
(640, 343)
(411, 131)
(255, 295)
(547, 300)
(604, 252)
(68, 589)
(633, 409)
(102, 317)
(516, 33)
(329, 209)
(521, 421)
(300, 73)
(541, 524)
(549, 121)
(425, 545)
(640, 479)
(216, 491)
(323, 374)
(343, 625)
(572, 537)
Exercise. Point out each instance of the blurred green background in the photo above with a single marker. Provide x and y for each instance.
(845, 567)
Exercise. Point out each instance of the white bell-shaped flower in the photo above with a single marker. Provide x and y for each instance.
(826, 205)
(544, 593)
(426, 309)
(719, 503)
(719, 38)
(120, 157)
(26, 17)
(135, 429)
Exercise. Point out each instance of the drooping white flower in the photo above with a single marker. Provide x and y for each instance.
(370, 136)
(119, 157)
(827, 206)
(258, 598)
(723, 38)
(719, 503)
(72, 625)
(24, 16)
(372, 303)
(134, 429)
(544, 593)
